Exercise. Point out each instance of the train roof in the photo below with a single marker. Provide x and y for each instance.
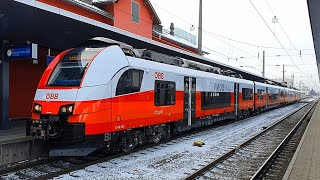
(146, 54)
(137, 63)
(274, 86)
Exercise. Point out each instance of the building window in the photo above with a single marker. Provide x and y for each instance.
(129, 82)
(135, 12)
(260, 94)
(164, 93)
(247, 94)
(211, 100)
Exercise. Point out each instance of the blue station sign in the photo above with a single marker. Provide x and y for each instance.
(21, 51)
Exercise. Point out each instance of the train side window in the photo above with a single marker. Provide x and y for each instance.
(274, 94)
(212, 100)
(260, 94)
(164, 93)
(129, 82)
(247, 94)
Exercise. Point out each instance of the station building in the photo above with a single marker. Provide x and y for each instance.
(61, 24)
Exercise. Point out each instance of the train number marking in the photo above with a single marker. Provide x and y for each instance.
(159, 75)
(119, 127)
(158, 112)
(52, 96)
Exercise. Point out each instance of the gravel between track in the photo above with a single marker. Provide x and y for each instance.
(178, 157)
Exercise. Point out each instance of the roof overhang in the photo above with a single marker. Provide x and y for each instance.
(314, 16)
(30, 20)
(156, 19)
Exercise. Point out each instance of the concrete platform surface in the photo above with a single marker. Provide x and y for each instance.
(305, 163)
(16, 146)
(17, 129)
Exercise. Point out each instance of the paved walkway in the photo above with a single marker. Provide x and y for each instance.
(305, 163)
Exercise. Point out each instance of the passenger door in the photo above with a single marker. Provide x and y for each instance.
(189, 100)
(236, 98)
(267, 97)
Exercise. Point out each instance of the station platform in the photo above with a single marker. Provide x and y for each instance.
(16, 146)
(17, 129)
(305, 163)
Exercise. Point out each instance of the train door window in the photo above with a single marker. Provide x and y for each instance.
(164, 93)
(247, 94)
(129, 82)
(211, 100)
(260, 94)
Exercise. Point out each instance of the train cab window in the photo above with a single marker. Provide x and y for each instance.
(261, 94)
(247, 94)
(129, 82)
(164, 93)
(211, 100)
(70, 69)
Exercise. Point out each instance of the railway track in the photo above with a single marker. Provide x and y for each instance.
(263, 156)
(52, 167)
(48, 168)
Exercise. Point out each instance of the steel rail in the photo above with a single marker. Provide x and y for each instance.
(282, 144)
(104, 157)
(207, 167)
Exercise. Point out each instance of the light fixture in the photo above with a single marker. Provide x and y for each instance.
(192, 28)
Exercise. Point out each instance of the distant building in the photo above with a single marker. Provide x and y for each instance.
(135, 16)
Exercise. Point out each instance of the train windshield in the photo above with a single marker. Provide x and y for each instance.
(70, 70)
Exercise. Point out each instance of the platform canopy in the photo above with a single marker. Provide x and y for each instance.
(314, 16)
(30, 20)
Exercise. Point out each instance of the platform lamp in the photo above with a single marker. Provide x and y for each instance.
(274, 21)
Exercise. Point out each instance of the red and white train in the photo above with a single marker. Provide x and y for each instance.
(106, 94)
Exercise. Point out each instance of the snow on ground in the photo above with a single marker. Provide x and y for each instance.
(178, 157)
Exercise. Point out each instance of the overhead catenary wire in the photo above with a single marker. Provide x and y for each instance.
(220, 54)
(284, 30)
(273, 33)
(224, 37)
(216, 52)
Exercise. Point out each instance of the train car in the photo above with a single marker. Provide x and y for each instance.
(246, 98)
(105, 94)
(261, 96)
(290, 95)
(297, 95)
(282, 98)
(274, 98)
(90, 97)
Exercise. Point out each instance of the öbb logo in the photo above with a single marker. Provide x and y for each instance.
(159, 75)
(52, 96)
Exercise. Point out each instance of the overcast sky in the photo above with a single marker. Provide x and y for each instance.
(227, 22)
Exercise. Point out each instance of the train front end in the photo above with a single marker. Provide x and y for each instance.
(72, 107)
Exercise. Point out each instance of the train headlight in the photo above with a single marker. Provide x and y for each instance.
(66, 109)
(37, 108)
